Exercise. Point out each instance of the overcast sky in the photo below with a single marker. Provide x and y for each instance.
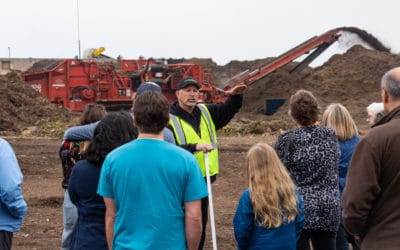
(223, 30)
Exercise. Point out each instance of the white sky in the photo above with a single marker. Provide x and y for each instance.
(223, 30)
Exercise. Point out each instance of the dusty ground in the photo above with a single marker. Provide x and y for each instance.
(42, 190)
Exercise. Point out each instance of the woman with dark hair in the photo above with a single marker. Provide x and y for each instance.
(70, 152)
(311, 155)
(113, 131)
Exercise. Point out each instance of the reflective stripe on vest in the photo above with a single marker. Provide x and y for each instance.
(208, 118)
(179, 130)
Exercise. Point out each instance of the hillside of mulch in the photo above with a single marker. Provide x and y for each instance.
(24, 110)
(352, 79)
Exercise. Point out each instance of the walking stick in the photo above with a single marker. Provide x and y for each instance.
(210, 201)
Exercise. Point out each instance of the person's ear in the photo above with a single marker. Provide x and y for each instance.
(385, 96)
(134, 121)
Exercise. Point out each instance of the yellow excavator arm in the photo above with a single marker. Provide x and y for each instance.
(98, 51)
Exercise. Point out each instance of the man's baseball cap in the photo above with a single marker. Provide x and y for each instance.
(183, 83)
(148, 86)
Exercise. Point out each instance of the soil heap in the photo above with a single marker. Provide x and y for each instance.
(24, 110)
(352, 79)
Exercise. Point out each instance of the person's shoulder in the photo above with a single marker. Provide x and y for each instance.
(245, 197)
(178, 153)
(176, 149)
(285, 134)
(125, 148)
(350, 142)
(79, 167)
(355, 139)
(82, 163)
(5, 146)
(168, 136)
(323, 130)
(246, 193)
(383, 132)
(3, 142)
(290, 135)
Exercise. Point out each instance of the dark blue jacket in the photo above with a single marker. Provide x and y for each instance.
(89, 232)
(250, 235)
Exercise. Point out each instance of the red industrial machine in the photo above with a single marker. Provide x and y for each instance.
(167, 74)
(73, 83)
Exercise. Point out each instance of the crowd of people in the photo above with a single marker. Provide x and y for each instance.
(137, 180)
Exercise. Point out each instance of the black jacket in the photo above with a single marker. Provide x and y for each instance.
(221, 114)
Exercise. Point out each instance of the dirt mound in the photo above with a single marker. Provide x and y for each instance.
(24, 109)
(352, 79)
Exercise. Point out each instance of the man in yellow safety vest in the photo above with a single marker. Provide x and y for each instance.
(194, 126)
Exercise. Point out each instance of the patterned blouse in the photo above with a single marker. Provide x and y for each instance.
(311, 155)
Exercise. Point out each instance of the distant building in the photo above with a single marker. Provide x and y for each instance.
(22, 64)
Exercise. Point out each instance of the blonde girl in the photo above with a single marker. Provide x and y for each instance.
(270, 213)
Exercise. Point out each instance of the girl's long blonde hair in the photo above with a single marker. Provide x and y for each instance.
(272, 191)
(337, 117)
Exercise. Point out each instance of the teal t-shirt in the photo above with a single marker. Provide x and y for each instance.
(149, 181)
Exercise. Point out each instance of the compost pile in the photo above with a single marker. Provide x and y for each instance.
(352, 79)
(24, 110)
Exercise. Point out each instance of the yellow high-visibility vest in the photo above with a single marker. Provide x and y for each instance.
(185, 134)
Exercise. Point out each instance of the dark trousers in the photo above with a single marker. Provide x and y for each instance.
(341, 240)
(204, 214)
(204, 219)
(5, 240)
(351, 240)
(320, 240)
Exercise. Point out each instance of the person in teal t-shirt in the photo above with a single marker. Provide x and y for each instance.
(152, 189)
